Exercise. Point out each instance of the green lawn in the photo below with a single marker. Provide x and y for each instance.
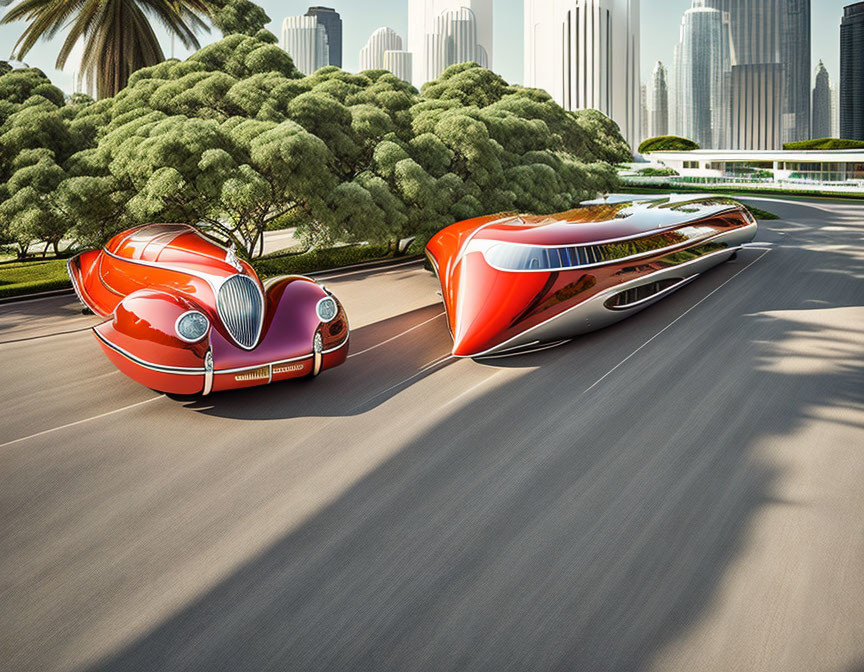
(29, 277)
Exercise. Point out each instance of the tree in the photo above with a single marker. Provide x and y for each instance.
(235, 139)
(238, 16)
(117, 34)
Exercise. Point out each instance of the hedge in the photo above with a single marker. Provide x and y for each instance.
(824, 143)
(667, 143)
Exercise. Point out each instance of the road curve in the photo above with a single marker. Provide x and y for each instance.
(682, 491)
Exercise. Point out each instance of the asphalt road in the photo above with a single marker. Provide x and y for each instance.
(683, 491)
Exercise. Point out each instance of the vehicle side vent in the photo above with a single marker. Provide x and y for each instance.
(241, 308)
(636, 295)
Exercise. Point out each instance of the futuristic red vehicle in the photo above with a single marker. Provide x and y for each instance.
(184, 315)
(518, 282)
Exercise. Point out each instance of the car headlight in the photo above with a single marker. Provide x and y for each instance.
(192, 326)
(327, 309)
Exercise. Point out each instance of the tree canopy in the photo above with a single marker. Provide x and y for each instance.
(235, 138)
(667, 143)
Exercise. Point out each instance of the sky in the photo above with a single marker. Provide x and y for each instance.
(661, 20)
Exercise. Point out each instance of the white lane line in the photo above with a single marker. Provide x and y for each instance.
(407, 331)
(472, 388)
(80, 422)
(681, 316)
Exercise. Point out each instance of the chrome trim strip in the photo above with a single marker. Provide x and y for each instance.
(190, 371)
(657, 295)
(179, 370)
(102, 279)
(213, 280)
(74, 282)
(277, 362)
(602, 297)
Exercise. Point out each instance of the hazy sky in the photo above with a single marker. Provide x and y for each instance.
(660, 25)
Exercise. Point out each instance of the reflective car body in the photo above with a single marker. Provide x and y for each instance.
(516, 282)
(153, 284)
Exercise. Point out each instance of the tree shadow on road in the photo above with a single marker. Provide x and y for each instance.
(541, 528)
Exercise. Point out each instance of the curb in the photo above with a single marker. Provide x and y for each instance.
(38, 295)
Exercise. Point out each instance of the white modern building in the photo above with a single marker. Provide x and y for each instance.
(700, 68)
(305, 40)
(382, 40)
(841, 168)
(442, 33)
(400, 63)
(585, 54)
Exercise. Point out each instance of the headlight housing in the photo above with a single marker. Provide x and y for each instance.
(192, 326)
(327, 309)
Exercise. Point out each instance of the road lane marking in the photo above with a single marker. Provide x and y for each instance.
(407, 331)
(681, 316)
(472, 388)
(80, 422)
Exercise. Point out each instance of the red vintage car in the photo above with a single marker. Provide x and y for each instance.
(184, 315)
(518, 282)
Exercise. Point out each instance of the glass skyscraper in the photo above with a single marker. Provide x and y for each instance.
(332, 22)
(852, 72)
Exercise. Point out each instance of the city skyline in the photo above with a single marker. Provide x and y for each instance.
(660, 18)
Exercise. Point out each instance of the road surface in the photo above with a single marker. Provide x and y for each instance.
(683, 491)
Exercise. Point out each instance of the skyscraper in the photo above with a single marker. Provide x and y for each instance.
(699, 76)
(382, 40)
(795, 56)
(852, 72)
(658, 102)
(442, 33)
(757, 96)
(332, 22)
(305, 40)
(453, 40)
(768, 32)
(645, 130)
(585, 54)
(822, 104)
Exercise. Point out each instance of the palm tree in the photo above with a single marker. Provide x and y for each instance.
(117, 35)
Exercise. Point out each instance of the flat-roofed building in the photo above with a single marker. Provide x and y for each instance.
(838, 167)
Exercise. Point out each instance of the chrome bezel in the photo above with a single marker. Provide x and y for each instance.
(318, 308)
(181, 336)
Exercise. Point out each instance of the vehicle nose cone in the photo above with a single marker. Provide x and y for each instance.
(486, 306)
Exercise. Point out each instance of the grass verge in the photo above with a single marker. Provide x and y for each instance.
(30, 277)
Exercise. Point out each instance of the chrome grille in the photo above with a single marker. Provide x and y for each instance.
(241, 308)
